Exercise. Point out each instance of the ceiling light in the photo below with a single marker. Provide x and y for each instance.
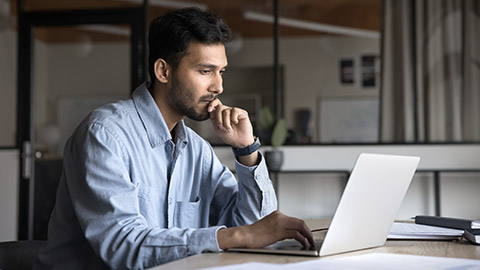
(313, 26)
(109, 29)
(170, 4)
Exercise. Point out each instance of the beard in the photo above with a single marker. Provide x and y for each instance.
(183, 100)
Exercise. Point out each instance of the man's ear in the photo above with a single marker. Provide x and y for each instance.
(162, 70)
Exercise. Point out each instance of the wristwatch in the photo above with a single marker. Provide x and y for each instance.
(247, 150)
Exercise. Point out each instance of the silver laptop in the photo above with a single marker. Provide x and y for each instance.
(373, 195)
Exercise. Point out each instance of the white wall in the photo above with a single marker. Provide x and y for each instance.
(83, 76)
(311, 68)
(8, 87)
(316, 195)
(8, 158)
(311, 72)
(8, 195)
(85, 70)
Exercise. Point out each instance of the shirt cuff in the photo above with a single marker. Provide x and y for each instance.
(258, 173)
(204, 240)
(252, 168)
(216, 234)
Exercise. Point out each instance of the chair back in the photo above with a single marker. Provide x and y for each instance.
(19, 255)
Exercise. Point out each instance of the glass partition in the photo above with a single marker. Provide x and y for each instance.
(329, 67)
(72, 61)
(77, 68)
(363, 72)
(8, 113)
(330, 51)
(8, 75)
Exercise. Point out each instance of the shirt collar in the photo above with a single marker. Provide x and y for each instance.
(152, 119)
(181, 133)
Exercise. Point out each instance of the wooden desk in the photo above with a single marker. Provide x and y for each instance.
(456, 249)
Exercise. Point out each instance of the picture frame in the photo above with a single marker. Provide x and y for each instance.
(347, 71)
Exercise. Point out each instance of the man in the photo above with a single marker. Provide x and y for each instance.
(139, 188)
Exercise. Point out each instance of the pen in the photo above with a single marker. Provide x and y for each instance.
(455, 223)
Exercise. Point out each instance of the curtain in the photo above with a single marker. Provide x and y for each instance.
(430, 89)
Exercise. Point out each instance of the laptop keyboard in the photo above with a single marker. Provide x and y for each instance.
(294, 245)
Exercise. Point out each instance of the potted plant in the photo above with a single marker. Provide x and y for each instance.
(276, 133)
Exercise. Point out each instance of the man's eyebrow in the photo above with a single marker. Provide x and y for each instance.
(211, 66)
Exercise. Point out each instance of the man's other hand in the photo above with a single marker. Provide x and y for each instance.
(270, 229)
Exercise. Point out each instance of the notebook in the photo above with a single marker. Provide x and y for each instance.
(366, 211)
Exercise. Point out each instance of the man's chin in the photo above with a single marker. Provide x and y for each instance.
(199, 117)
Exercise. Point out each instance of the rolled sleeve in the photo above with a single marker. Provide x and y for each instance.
(204, 240)
(259, 192)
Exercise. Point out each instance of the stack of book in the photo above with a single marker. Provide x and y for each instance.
(411, 231)
(471, 227)
(473, 235)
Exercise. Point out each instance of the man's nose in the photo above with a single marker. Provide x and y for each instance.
(217, 85)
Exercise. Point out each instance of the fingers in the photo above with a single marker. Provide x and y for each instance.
(291, 228)
(233, 126)
(277, 226)
(234, 116)
(301, 231)
(225, 117)
(226, 114)
(212, 107)
(298, 237)
(216, 108)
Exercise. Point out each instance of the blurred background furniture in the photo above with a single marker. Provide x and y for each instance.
(19, 255)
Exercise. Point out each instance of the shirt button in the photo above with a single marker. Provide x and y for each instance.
(169, 200)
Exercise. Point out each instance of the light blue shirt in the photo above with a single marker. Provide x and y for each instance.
(130, 197)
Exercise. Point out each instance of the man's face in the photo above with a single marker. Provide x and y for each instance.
(198, 80)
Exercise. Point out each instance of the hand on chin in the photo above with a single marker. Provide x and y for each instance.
(231, 124)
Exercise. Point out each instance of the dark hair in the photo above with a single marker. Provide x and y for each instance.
(170, 34)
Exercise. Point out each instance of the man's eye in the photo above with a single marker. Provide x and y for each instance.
(205, 71)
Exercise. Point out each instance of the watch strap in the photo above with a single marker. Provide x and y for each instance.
(247, 150)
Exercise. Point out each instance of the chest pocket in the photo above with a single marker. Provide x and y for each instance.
(189, 214)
